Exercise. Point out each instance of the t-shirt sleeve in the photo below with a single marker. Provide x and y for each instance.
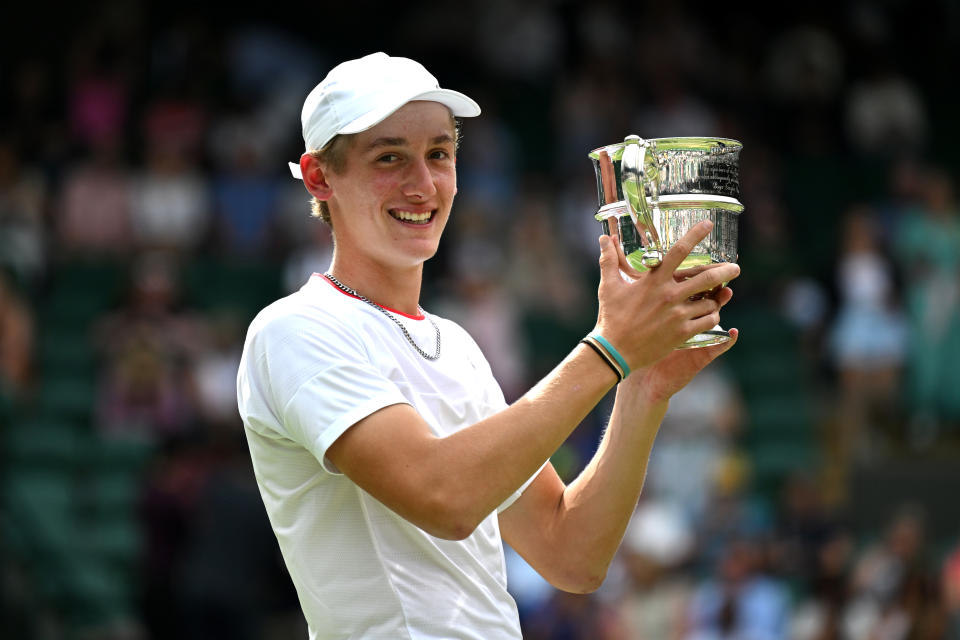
(323, 382)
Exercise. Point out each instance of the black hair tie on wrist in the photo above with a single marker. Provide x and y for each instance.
(605, 357)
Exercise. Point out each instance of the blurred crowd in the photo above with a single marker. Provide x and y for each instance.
(150, 141)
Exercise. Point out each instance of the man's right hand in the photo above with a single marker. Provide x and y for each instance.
(647, 315)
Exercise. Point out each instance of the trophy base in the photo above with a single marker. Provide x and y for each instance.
(707, 338)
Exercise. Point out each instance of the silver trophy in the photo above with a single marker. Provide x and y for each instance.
(656, 190)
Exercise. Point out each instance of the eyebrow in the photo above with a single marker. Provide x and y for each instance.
(400, 142)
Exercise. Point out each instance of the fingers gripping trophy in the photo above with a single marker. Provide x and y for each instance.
(651, 192)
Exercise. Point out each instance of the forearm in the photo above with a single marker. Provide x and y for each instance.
(594, 510)
(498, 454)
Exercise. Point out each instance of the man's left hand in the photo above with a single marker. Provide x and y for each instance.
(659, 381)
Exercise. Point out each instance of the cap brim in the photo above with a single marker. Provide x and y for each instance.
(459, 104)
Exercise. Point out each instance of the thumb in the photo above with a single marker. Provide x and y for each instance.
(608, 258)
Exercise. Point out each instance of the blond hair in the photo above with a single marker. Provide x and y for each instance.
(334, 156)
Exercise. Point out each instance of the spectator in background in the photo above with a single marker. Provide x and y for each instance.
(950, 584)
(904, 181)
(868, 339)
(885, 113)
(570, 616)
(928, 249)
(488, 166)
(656, 548)
(892, 593)
(768, 241)
(555, 303)
(141, 396)
(93, 219)
(672, 110)
(819, 609)
(313, 255)
(168, 501)
(804, 71)
(147, 347)
(589, 111)
(741, 602)
(246, 197)
(520, 40)
(484, 309)
(23, 199)
(229, 585)
(307, 246)
(16, 340)
(214, 371)
(732, 512)
(31, 101)
(98, 100)
(805, 526)
(475, 297)
(699, 428)
(170, 208)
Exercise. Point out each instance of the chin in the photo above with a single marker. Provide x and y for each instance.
(412, 258)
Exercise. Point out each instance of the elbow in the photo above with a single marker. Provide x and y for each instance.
(446, 518)
(578, 577)
(584, 583)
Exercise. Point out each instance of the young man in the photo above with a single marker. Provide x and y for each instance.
(387, 459)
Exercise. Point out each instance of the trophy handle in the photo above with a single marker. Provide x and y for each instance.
(638, 174)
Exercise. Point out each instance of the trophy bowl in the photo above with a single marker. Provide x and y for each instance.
(708, 166)
(651, 192)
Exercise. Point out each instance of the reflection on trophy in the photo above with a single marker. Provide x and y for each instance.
(655, 190)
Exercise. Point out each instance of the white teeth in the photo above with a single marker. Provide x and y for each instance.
(410, 216)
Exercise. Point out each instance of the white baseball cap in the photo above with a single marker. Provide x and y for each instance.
(359, 94)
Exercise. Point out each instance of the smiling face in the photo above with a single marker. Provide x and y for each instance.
(390, 203)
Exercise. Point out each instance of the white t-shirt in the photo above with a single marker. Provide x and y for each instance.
(314, 364)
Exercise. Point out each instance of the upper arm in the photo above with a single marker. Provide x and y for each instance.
(439, 484)
(394, 456)
(388, 455)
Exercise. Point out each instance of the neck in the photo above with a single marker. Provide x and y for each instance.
(389, 287)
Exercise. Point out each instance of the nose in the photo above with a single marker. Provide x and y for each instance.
(419, 182)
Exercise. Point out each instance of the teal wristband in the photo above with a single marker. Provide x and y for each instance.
(613, 352)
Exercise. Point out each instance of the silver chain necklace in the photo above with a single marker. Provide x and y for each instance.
(406, 334)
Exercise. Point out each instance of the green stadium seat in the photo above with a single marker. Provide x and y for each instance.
(69, 394)
(107, 492)
(780, 416)
(118, 454)
(115, 539)
(40, 505)
(772, 463)
(93, 593)
(44, 443)
(244, 287)
(64, 350)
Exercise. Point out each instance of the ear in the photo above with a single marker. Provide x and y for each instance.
(314, 177)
